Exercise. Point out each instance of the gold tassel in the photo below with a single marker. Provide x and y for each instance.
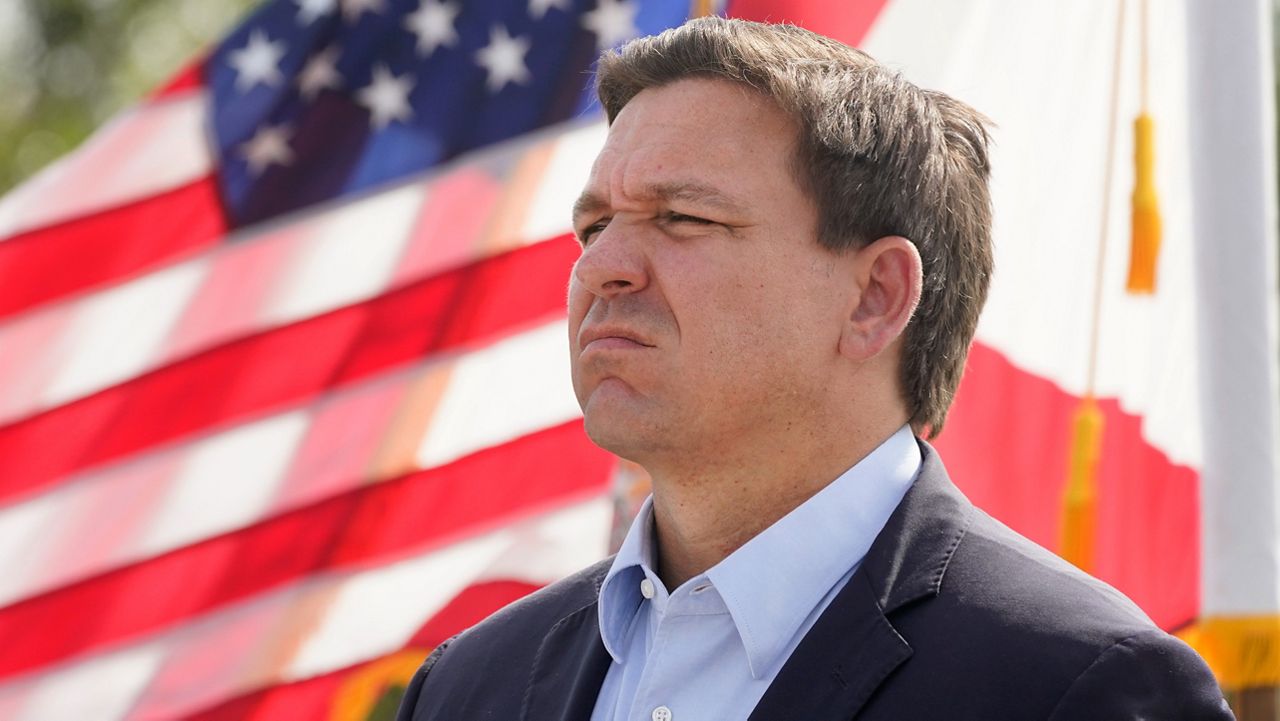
(1144, 248)
(1080, 500)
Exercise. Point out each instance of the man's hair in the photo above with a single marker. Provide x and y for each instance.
(878, 155)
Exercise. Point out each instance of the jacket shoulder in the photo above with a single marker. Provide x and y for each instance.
(993, 625)
(1043, 638)
(486, 668)
(1147, 675)
(1023, 586)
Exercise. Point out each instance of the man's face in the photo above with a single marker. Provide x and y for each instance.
(703, 313)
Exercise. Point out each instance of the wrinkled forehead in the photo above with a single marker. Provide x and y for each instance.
(690, 133)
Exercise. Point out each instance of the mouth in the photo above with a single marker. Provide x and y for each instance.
(610, 339)
(612, 343)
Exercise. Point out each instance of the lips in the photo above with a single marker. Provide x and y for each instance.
(606, 338)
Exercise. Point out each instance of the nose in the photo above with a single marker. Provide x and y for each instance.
(612, 264)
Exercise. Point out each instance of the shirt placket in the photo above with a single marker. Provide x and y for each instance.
(671, 625)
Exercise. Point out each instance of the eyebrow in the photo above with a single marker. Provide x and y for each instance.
(589, 203)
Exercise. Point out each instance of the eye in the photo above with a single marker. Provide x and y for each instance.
(586, 234)
(682, 218)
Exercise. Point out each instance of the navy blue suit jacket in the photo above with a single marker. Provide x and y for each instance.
(951, 616)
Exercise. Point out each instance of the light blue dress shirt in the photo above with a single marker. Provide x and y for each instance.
(708, 650)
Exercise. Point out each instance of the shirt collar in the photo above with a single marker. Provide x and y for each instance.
(620, 596)
(804, 554)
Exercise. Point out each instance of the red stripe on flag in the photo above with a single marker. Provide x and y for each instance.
(286, 365)
(189, 78)
(381, 522)
(51, 262)
(471, 606)
(1007, 426)
(314, 698)
(847, 22)
(309, 699)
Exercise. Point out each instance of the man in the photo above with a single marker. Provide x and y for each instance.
(785, 250)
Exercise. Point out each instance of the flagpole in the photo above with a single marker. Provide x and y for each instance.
(1233, 151)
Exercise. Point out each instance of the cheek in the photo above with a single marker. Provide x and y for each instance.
(578, 302)
(722, 329)
(770, 324)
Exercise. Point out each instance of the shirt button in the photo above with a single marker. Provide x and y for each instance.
(646, 590)
(662, 713)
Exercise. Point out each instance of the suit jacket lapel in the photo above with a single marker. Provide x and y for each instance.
(839, 663)
(568, 670)
(854, 647)
(909, 557)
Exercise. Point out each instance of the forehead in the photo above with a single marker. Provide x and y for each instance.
(695, 132)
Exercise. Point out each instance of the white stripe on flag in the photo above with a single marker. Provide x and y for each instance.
(148, 149)
(520, 385)
(228, 481)
(116, 682)
(349, 256)
(551, 209)
(117, 334)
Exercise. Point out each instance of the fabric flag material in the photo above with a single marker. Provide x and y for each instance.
(284, 397)
(283, 389)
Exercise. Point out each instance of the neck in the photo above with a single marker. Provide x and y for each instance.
(703, 512)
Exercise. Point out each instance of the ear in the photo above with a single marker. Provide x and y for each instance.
(889, 276)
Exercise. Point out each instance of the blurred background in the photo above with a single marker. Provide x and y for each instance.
(68, 66)
(282, 390)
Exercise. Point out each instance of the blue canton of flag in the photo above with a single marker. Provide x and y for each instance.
(313, 99)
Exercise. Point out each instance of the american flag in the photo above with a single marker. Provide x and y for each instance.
(285, 398)
(283, 388)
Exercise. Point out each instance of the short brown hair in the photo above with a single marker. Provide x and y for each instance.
(880, 157)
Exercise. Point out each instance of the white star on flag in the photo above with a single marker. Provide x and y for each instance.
(432, 22)
(269, 146)
(503, 57)
(353, 9)
(310, 10)
(320, 72)
(613, 22)
(538, 8)
(387, 97)
(257, 62)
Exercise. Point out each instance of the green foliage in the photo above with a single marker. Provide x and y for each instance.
(66, 66)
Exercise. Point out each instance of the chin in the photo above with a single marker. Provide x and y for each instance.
(607, 435)
(633, 441)
(624, 422)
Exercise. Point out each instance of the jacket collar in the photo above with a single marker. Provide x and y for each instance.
(854, 647)
(911, 555)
